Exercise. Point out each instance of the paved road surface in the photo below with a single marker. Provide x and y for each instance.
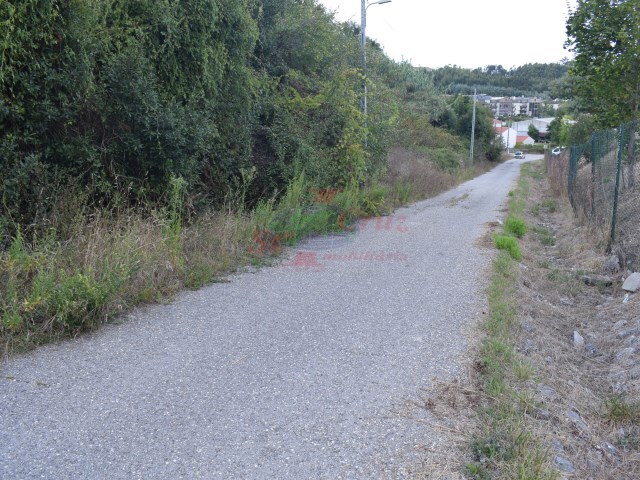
(300, 371)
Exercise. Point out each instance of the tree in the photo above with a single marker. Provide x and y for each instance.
(558, 130)
(534, 132)
(605, 37)
(581, 130)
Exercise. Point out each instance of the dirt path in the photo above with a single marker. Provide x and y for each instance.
(303, 370)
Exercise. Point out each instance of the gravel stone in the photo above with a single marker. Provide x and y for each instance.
(547, 392)
(528, 347)
(597, 280)
(564, 465)
(611, 450)
(577, 421)
(632, 283)
(628, 332)
(578, 340)
(541, 414)
(301, 370)
(625, 354)
(620, 324)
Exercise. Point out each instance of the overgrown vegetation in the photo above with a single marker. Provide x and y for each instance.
(148, 146)
(121, 257)
(504, 447)
(123, 96)
(602, 80)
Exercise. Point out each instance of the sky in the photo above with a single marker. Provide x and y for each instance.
(467, 33)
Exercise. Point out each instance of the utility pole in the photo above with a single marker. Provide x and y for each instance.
(473, 125)
(363, 46)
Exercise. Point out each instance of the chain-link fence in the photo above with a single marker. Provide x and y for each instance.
(600, 179)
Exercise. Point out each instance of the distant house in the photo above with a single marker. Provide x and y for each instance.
(507, 106)
(509, 136)
(541, 124)
(524, 139)
(501, 106)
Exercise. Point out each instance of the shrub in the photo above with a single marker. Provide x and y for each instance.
(445, 158)
(403, 192)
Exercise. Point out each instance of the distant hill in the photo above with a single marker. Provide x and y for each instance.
(532, 79)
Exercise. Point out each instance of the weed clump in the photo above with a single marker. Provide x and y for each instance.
(619, 410)
(509, 244)
(515, 226)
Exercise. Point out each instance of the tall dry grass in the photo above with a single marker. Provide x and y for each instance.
(413, 176)
(81, 267)
(111, 261)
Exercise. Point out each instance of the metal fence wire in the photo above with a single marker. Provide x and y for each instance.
(600, 179)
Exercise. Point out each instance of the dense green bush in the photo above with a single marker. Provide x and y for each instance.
(117, 98)
(124, 95)
(535, 148)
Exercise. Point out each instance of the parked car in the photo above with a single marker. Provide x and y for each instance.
(556, 151)
(519, 154)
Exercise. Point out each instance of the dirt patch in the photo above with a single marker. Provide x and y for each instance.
(583, 341)
(577, 372)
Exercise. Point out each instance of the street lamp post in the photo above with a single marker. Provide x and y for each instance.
(363, 45)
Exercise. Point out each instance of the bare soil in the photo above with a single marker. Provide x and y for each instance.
(578, 385)
(585, 395)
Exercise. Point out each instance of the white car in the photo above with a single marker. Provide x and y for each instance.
(518, 154)
(556, 151)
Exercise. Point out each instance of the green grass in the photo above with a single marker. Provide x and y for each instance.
(515, 226)
(403, 192)
(504, 447)
(508, 244)
(523, 370)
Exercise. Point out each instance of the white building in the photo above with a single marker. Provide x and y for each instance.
(509, 136)
(541, 124)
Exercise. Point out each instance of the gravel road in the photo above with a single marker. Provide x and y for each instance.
(304, 370)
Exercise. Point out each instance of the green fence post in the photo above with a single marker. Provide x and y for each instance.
(593, 176)
(573, 164)
(614, 217)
